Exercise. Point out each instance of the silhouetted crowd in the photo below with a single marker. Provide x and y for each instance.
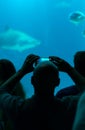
(43, 111)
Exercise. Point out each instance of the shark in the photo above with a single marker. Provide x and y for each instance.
(11, 39)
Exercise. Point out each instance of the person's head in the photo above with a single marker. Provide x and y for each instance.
(45, 77)
(7, 69)
(79, 62)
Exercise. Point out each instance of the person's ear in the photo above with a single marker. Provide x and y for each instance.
(32, 80)
(57, 82)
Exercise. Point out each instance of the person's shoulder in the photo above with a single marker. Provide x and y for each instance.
(70, 90)
(82, 100)
(29, 102)
(60, 103)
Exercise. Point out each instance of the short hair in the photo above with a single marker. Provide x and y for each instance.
(79, 62)
(46, 73)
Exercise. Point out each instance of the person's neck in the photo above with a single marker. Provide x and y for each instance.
(45, 95)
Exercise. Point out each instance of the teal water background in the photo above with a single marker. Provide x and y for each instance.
(47, 21)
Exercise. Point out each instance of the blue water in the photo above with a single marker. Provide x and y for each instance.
(49, 23)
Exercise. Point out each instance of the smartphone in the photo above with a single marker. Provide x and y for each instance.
(40, 60)
(43, 59)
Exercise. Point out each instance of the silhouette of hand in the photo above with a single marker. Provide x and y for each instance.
(28, 63)
(60, 63)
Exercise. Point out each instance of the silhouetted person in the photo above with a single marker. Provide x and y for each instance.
(78, 79)
(79, 122)
(7, 69)
(79, 65)
(43, 110)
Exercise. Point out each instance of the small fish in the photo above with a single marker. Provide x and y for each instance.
(12, 39)
(77, 17)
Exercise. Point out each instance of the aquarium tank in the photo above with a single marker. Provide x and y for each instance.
(42, 27)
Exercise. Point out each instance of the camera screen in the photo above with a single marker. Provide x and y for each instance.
(43, 59)
(40, 60)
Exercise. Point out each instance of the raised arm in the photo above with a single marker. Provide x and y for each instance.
(26, 68)
(64, 66)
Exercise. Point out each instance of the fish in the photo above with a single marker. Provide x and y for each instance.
(11, 39)
(76, 17)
